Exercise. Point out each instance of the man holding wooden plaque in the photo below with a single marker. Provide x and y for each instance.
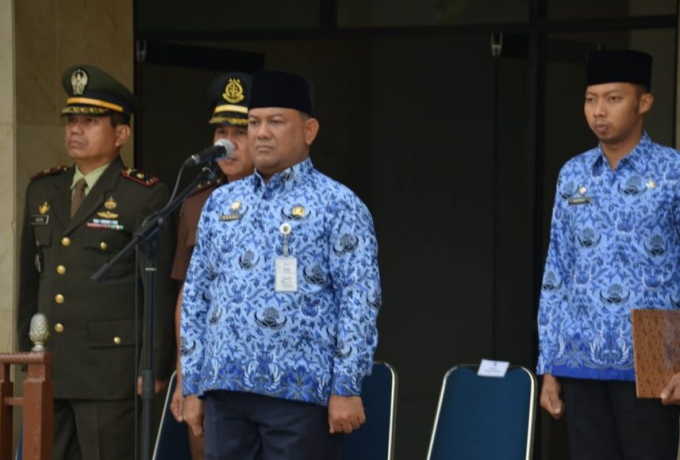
(614, 247)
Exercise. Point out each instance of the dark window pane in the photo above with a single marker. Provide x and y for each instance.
(216, 15)
(589, 9)
(407, 13)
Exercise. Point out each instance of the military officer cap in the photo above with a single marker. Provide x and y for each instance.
(229, 95)
(620, 66)
(93, 92)
(282, 89)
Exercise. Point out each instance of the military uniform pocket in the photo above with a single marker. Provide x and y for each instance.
(101, 245)
(119, 333)
(104, 241)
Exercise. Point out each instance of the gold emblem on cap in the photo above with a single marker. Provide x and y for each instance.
(298, 211)
(236, 205)
(233, 92)
(44, 208)
(79, 80)
(651, 184)
(110, 203)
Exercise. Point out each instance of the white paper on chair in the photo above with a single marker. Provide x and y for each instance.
(489, 368)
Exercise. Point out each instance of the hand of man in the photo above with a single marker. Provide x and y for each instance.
(192, 413)
(671, 394)
(177, 402)
(159, 385)
(345, 413)
(550, 396)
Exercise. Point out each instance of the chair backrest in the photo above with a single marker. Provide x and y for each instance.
(375, 439)
(20, 447)
(173, 437)
(484, 418)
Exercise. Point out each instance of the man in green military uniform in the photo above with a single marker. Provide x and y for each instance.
(75, 220)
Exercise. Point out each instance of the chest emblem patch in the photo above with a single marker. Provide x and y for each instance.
(110, 204)
(236, 212)
(298, 211)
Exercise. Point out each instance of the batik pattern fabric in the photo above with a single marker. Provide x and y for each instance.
(614, 246)
(238, 333)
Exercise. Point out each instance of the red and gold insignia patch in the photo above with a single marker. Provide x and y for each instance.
(50, 172)
(139, 176)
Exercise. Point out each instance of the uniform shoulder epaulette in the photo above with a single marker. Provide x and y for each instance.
(50, 172)
(139, 176)
(206, 184)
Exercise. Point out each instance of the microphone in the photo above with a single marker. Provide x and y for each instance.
(222, 149)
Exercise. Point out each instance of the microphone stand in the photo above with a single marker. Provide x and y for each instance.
(147, 236)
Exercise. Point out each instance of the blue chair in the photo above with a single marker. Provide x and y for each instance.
(375, 439)
(173, 437)
(20, 454)
(485, 418)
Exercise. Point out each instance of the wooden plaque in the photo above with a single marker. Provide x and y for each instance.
(656, 346)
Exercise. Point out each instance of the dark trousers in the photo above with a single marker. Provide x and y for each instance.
(606, 421)
(94, 430)
(245, 426)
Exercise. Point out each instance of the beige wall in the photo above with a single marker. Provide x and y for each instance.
(7, 176)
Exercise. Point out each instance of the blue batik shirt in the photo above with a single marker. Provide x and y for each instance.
(614, 246)
(238, 333)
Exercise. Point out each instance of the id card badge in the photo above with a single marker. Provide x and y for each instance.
(285, 268)
(285, 275)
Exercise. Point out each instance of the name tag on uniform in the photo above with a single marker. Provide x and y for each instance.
(285, 275)
(579, 200)
(39, 219)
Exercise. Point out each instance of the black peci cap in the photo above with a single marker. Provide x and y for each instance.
(619, 66)
(282, 89)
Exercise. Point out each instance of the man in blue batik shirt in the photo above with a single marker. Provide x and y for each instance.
(280, 303)
(614, 246)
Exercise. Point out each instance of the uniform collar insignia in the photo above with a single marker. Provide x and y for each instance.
(44, 208)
